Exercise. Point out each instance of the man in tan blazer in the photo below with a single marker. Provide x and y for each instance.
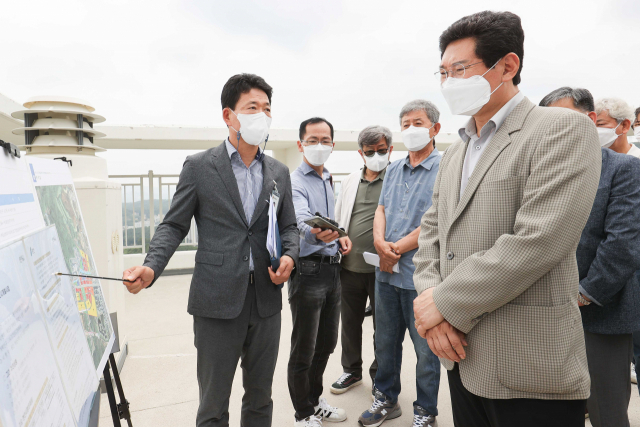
(496, 267)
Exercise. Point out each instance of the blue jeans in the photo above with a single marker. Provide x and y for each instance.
(394, 315)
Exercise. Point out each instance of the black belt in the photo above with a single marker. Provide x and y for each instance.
(326, 259)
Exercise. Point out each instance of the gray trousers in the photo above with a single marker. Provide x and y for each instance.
(220, 344)
(609, 358)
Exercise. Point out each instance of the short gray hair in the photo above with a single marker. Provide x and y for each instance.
(582, 98)
(421, 105)
(616, 107)
(371, 135)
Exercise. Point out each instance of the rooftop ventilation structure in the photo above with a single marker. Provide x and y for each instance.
(60, 122)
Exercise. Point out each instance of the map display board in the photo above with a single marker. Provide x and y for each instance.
(31, 389)
(19, 211)
(59, 308)
(59, 205)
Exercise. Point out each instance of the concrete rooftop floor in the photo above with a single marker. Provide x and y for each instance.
(159, 376)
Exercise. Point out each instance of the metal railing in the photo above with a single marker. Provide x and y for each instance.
(160, 188)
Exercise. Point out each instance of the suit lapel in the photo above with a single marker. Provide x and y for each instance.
(267, 187)
(222, 163)
(458, 176)
(499, 142)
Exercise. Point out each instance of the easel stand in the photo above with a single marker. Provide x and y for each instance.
(118, 410)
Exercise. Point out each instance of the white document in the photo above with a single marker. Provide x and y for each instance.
(273, 233)
(60, 310)
(59, 205)
(31, 390)
(19, 211)
(374, 259)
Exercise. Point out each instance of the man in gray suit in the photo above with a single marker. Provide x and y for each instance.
(608, 256)
(235, 296)
(496, 267)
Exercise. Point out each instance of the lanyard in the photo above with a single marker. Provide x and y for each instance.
(326, 197)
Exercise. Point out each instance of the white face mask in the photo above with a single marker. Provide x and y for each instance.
(467, 96)
(254, 128)
(377, 162)
(607, 136)
(317, 154)
(416, 138)
(636, 132)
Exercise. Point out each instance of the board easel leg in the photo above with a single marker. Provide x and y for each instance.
(118, 410)
(123, 406)
(111, 395)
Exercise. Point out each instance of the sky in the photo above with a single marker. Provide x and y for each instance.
(354, 62)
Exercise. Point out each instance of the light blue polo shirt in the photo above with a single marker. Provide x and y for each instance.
(406, 196)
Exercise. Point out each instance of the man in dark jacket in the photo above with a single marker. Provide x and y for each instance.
(235, 296)
(608, 256)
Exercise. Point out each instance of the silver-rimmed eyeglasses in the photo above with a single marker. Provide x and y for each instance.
(457, 71)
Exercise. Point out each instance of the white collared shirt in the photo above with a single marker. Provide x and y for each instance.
(634, 151)
(476, 144)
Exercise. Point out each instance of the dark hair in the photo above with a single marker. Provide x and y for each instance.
(312, 121)
(636, 114)
(582, 98)
(239, 84)
(495, 33)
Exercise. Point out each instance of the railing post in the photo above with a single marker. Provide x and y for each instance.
(142, 216)
(160, 208)
(190, 239)
(152, 210)
(126, 228)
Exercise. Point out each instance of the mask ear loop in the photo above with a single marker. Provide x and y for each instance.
(492, 69)
(614, 130)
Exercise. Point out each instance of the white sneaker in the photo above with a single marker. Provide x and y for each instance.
(634, 377)
(311, 421)
(329, 413)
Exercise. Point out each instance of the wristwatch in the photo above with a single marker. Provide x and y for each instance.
(583, 300)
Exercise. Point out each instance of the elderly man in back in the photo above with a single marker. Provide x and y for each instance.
(355, 210)
(608, 256)
(614, 121)
(406, 195)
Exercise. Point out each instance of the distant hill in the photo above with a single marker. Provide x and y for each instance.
(132, 207)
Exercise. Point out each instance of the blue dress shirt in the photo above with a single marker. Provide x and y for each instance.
(249, 181)
(311, 194)
(406, 196)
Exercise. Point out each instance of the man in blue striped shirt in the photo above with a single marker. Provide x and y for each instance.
(314, 288)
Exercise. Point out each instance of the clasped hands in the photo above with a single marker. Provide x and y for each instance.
(389, 254)
(444, 340)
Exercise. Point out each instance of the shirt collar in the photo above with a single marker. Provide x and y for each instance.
(498, 119)
(306, 169)
(379, 177)
(231, 149)
(426, 163)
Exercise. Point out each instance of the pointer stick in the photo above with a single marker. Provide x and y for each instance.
(94, 277)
